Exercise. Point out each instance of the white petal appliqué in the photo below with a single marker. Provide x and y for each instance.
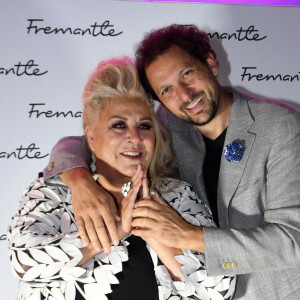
(36, 295)
(94, 292)
(34, 272)
(198, 276)
(214, 294)
(52, 269)
(212, 281)
(15, 262)
(50, 194)
(71, 250)
(34, 241)
(71, 273)
(65, 223)
(40, 256)
(35, 194)
(25, 259)
(223, 285)
(57, 294)
(56, 253)
(70, 291)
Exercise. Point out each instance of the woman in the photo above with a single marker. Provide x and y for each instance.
(128, 149)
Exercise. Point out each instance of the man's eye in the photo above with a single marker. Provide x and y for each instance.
(187, 73)
(166, 90)
(120, 125)
(145, 126)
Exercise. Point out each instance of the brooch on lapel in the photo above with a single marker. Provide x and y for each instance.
(234, 151)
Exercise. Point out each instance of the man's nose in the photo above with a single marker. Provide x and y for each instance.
(184, 92)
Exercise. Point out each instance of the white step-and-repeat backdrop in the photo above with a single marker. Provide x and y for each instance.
(49, 48)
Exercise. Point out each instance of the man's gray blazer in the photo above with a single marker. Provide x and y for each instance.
(258, 197)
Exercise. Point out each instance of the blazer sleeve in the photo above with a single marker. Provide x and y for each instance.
(68, 153)
(274, 244)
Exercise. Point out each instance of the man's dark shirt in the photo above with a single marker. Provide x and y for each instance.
(211, 167)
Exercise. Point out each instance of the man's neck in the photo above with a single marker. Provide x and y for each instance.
(217, 125)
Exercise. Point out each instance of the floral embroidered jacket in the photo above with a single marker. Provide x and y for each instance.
(44, 250)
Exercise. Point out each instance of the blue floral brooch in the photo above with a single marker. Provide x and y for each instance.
(234, 151)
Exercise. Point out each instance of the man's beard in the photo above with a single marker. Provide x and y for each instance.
(213, 103)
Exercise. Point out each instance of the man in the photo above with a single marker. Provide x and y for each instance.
(253, 186)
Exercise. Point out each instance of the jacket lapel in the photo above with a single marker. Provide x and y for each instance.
(231, 172)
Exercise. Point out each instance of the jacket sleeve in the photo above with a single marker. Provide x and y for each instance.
(275, 243)
(68, 153)
(44, 247)
(197, 284)
(43, 239)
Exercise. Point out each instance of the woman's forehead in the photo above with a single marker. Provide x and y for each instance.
(126, 106)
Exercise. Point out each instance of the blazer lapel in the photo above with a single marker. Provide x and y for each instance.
(189, 148)
(231, 172)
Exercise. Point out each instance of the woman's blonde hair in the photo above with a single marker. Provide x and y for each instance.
(116, 78)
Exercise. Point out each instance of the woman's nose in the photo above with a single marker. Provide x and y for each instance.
(133, 136)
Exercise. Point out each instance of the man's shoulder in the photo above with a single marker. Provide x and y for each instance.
(265, 105)
(262, 109)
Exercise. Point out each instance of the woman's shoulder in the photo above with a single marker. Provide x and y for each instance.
(40, 191)
(166, 184)
(180, 195)
(169, 185)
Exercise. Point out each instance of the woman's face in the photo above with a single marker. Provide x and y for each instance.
(123, 137)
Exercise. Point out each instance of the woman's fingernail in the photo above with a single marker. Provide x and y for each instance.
(116, 242)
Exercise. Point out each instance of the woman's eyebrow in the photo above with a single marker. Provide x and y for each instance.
(146, 119)
(118, 117)
(124, 118)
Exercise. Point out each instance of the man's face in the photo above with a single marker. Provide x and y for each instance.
(186, 86)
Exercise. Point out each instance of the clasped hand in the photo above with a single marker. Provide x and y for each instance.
(96, 214)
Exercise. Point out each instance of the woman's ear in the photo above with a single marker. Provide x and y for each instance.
(89, 133)
(212, 63)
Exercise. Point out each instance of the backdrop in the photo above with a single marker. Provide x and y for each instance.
(49, 48)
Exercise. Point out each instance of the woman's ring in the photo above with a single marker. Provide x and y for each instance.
(126, 188)
(152, 192)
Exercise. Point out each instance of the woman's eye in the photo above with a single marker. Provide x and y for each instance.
(119, 125)
(145, 126)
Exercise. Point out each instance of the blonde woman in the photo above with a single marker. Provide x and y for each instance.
(131, 161)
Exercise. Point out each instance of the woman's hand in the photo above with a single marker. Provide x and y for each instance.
(127, 203)
(94, 209)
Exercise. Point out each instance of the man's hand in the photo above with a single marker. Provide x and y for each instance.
(157, 220)
(94, 209)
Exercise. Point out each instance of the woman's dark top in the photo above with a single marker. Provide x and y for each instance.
(137, 280)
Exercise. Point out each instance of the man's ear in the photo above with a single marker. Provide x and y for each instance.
(212, 64)
(89, 133)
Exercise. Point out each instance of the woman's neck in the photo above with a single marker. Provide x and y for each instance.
(114, 186)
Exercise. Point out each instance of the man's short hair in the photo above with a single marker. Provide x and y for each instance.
(188, 37)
